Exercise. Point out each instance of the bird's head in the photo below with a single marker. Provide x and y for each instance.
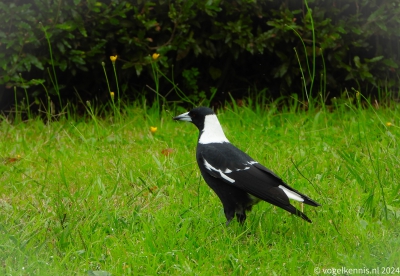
(207, 123)
(196, 116)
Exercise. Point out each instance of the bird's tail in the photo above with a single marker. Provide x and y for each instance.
(309, 201)
(296, 195)
(294, 211)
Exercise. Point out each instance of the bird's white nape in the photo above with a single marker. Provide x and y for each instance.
(212, 131)
(290, 194)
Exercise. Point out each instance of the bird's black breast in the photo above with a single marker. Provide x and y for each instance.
(232, 197)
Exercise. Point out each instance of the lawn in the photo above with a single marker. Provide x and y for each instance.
(106, 196)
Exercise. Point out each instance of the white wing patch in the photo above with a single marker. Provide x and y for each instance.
(245, 168)
(291, 194)
(222, 174)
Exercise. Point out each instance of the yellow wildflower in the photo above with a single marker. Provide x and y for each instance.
(388, 124)
(155, 56)
(153, 129)
(113, 58)
(112, 95)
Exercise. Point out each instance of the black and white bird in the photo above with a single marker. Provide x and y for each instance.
(237, 179)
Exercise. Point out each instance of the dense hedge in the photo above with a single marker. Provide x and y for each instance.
(229, 45)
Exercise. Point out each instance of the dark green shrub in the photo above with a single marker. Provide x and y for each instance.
(229, 45)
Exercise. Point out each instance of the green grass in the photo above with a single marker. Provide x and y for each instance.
(90, 196)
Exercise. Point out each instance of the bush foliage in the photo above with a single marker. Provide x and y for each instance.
(282, 47)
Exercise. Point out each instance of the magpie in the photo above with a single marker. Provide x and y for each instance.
(238, 180)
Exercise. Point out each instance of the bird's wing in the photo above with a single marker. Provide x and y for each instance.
(238, 169)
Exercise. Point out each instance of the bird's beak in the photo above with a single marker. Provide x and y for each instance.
(183, 117)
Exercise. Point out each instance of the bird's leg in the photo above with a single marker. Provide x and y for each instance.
(241, 217)
(229, 214)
